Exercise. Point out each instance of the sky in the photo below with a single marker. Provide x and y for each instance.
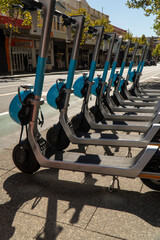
(123, 17)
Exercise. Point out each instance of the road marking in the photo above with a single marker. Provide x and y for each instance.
(9, 86)
(4, 113)
(7, 94)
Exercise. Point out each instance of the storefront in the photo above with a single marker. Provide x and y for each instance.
(50, 58)
(60, 55)
(3, 57)
(22, 55)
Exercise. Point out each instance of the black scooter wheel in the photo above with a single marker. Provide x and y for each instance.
(152, 184)
(80, 124)
(57, 137)
(24, 158)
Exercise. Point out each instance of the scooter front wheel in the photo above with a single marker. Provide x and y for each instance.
(24, 159)
(151, 183)
(57, 137)
(80, 124)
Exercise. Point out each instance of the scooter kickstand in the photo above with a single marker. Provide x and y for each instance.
(129, 154)
(111, 187)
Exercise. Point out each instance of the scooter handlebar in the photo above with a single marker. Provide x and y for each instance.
(92, 30)
(133, 44)
(31, 5)
(67, 19)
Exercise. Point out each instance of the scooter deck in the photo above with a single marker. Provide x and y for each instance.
(154, 91)
(118, 116)
(143, 98)
(127, 109)
(140, 127)
(116, 125)
(138, 103)
(101, 160)
(137, 109)
(148, 94)
(102, 139)
(100, 164)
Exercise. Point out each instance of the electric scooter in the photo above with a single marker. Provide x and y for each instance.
(105, 105)
(60, 135)
(119, 81)
(146, 107)
(90, 118)
(121, 87)
(136, 90)
(35, 151)
(87, 118)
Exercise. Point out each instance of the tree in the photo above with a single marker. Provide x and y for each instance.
(142, 40)
(103, 22)
(88, 22)
(156, 51)
(128, 35)
(150, 7)
(82, 11)
(10, 25)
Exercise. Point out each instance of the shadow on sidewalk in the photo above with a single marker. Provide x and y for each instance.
(151, 85)
(46, 184)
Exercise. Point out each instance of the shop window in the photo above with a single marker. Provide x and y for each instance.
(49, 59)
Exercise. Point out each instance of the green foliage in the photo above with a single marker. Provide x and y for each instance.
(13, 13)
(142, 40)
(103, 22)
(150, 7)
(82, 11)
(88, 22)
(6, 7)
(156, 51)
(129, 35)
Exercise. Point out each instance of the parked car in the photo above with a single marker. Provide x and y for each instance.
(153, 62)
(150, 63)
(147, 63)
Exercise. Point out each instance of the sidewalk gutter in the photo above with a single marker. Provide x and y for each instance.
(33, 74)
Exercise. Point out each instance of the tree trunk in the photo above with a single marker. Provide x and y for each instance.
(10, 53)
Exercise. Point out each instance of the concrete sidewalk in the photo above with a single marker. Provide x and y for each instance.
(66, 205)
(47, 73)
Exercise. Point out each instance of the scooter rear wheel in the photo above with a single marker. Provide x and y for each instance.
(24, 159)
(57, 137)
(152, 184)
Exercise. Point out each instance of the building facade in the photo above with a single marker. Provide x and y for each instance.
(25, 46)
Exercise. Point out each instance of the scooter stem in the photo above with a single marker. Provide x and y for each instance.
(141, 59)
(125, 57)
(48, 7)
(72, 66)
(100, 30)
(114, 63)
(128, 44)
(107, 62)
(141, 67)
(131, 63)
(144, 59)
